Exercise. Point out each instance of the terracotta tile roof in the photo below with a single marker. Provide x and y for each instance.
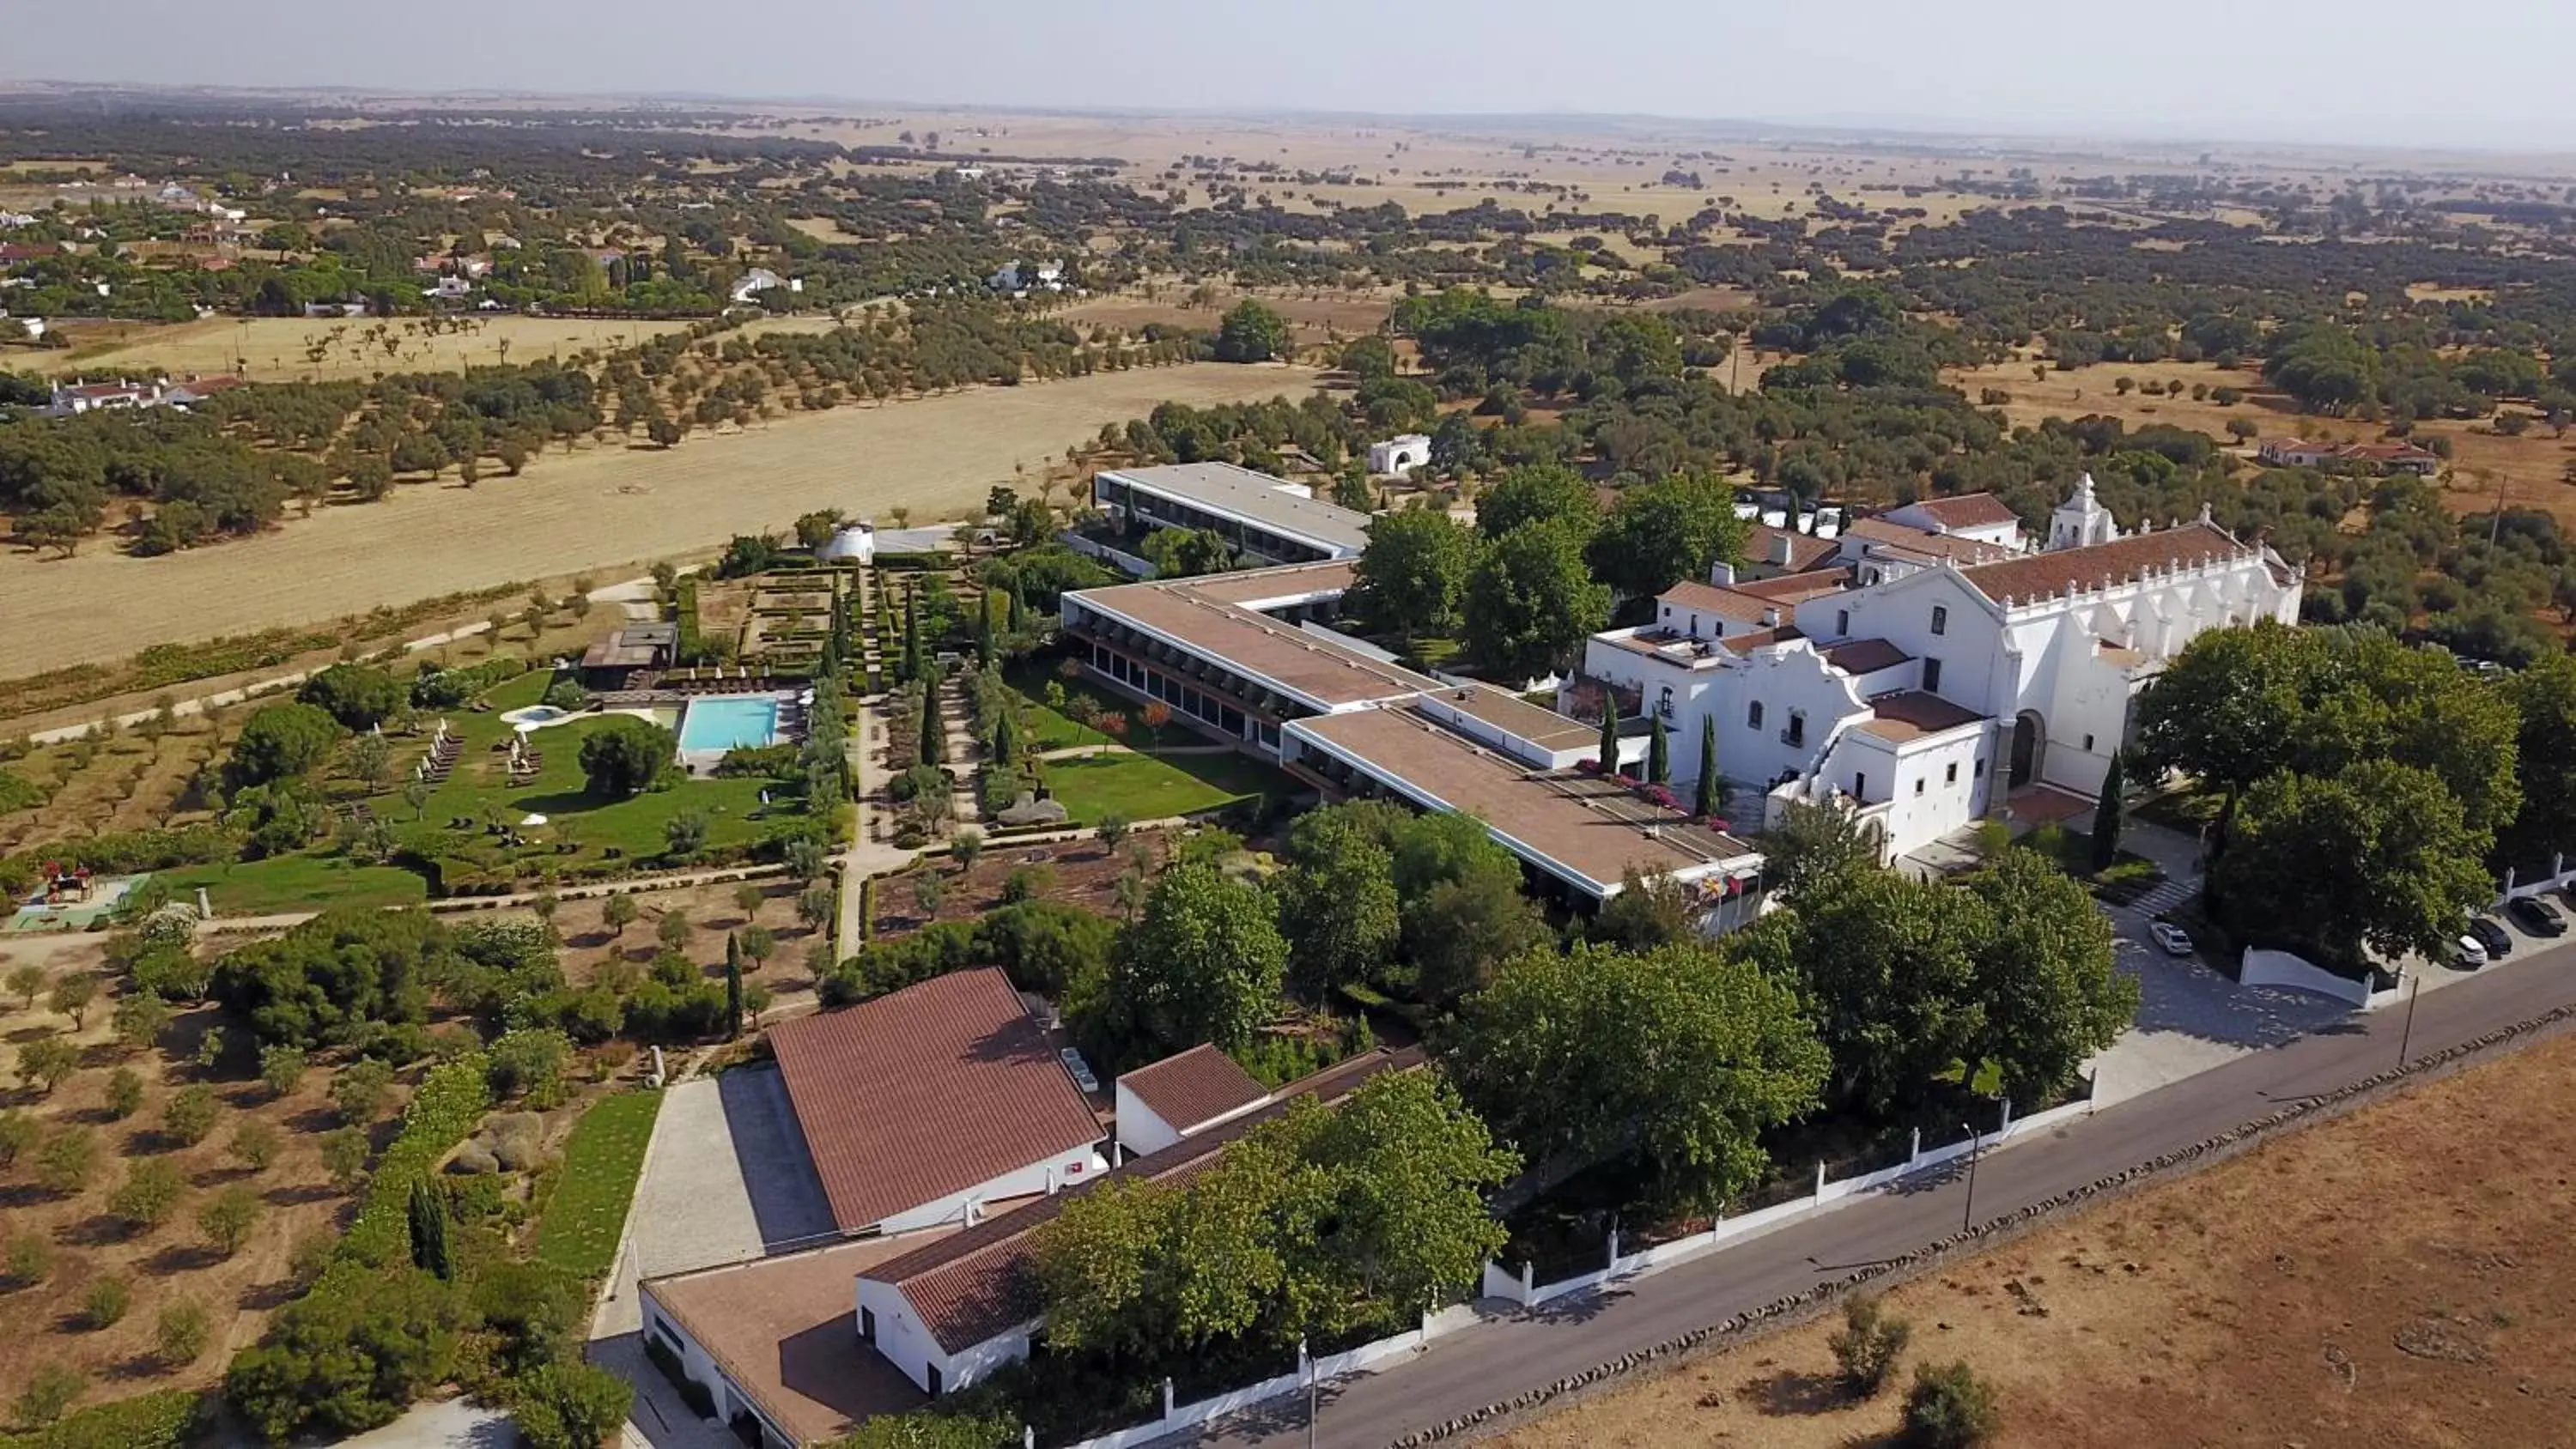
(1914, 714)
(1931, 547)
(1865, 656)
(977, 1283)
(1194, 1088)
(929, 1091)
(1748, 602)
(2035, 576)
(1968, 510)
(1785, 548)
(1747, 643)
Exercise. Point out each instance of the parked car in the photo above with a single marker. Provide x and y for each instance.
(2174, 939)
(2491, 935)
(2537, 916)
(2467, 954)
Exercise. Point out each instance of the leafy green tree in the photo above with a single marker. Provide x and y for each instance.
(140, 1018)
(228, 1218)
(569, 1405)
(1868, 1345)
(1647, 912)
(2048, 992)
(1457, 931)
(24, 981)
(1203, 964)
(344, 1362)
(1531, 600)
(1708, 797)
(104, 1305)
(72, 995)
(358, 1090)
(48, 1062)
(281, 1069)
(2544, 700)
(684, 835)
(1679, 1057)
(149, 1194)
(1337, 903)
(338, 977)
(1813, 847)
(18, 1136)
(623, 754)
(1180, 553)
(1251, 332)
(1537, 493)
(1413, 572)
(358, 696)
(280, 742)
(1661, 533)
(2378, 859)
(124, 1093)
(254, 1144)
(344, 1155)
(1888, 965)
(181, 1334)
(2225, 710)
(189, 1116)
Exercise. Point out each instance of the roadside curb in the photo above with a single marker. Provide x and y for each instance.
(1797, 1307)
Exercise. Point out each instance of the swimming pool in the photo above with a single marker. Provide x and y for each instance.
(729, 722)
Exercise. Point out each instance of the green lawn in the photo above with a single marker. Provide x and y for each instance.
(602, 1159)
(1138, 787)
(305, 881)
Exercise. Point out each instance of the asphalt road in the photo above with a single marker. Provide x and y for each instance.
(1482, 1365)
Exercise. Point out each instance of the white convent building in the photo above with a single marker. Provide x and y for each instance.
(1931, 664)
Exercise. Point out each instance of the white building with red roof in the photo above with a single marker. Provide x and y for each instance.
(1927, 674)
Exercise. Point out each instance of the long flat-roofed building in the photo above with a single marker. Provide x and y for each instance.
(1271, 520)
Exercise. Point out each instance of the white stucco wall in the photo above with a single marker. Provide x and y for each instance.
(1140, 1128)
(904, 1342)
(1070, 1169)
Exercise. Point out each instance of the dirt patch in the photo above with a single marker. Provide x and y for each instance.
(1316, 317)
(2396, 1277)
(595, 509)
(1081, 873)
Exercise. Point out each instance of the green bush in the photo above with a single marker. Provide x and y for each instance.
(349, 1356)
(570, 1405)
(1949, 1408)
(165, 1420)
(452, 1098)
(1043, 945)
(1868, 1345)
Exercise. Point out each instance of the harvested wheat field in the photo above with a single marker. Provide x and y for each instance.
(2399, 1277)
(297, 349)
(591, 510)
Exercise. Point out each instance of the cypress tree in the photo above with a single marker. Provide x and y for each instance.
(733, 985)
(2106, 817)
(1712, 791)
(428, 1216)
(934, 736)
(1609, 733)
(1006, 740)
(911, 661)
(1659, 760)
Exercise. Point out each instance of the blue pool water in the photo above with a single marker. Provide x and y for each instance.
(729, 723)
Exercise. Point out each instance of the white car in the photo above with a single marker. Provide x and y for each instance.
(2467, 954)
(2174, 939)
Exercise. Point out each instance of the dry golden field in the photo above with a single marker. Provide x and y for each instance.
(280, 349)
(2399, 1277)
(590, 511)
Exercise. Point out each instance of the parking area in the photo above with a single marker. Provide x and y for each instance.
(2191, 1018)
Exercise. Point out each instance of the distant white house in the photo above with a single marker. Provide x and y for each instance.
(449, 289)
(32, 327)
(15, 219)
(1020, 276)
(1399, 455)
(762, 279)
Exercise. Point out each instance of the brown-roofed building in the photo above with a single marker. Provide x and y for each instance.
(949, 1314)
(772, 1338)
(1770, 552)
(929, 1105)
(613, 662)
(1979, 516)
(1165, 1101)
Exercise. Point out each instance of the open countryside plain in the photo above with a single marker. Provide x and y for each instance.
(592, 510)
(2398, 1277)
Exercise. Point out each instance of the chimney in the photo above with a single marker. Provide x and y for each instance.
(1780, 548)
(1770, 618)
(1722, 574)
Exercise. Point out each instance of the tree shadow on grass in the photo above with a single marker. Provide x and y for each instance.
(180, 1258)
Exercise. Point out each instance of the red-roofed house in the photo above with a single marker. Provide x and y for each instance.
(928, 1105)
(1979, 516)
(1168, 1100)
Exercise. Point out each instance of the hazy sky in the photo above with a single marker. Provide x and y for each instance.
(2481, 73)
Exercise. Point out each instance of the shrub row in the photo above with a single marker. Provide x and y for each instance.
(163, 1420)
(1782, 1311)
(452, 1098)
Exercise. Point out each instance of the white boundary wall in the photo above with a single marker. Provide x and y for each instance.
(2280, 968)
(1367, 1356)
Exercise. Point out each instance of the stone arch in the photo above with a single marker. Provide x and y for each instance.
(2029, 749)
